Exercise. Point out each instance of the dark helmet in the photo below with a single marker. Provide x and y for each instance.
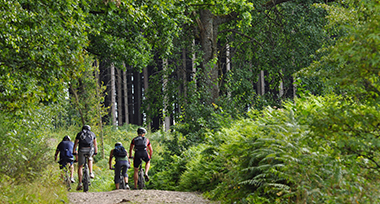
(117, 144)
(66, 138)
(86, 127)
(141, 130)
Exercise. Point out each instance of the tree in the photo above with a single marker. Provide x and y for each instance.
(351, 65)
(42, 45)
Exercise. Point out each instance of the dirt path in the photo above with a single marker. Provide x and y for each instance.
(136, 196)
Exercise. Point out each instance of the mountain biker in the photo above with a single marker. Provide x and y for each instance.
(140, 145)
(121, 161)
(87, 145)
(65, 149)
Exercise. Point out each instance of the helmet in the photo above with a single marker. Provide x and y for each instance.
(86, 127)
(66, 138)
(141, 130)
(117, 144)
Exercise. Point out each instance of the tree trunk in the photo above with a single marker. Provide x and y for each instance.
(165, 111)
(113, 95)
(98, 107)
(228, 64)
(208, 38)
(193, 67)
(146, 77)
(119, 99)
(261, 84)
(137, 97)
(183, 73)
(126, 102)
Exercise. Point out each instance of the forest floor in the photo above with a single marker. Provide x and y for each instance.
(137, 196)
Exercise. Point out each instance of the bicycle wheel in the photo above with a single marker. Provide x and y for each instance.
(141, 179)
(86, 178)
(67, 179)
(122, 183)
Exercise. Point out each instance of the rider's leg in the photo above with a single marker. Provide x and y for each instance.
(80, 173)
(126, 179)
(116, 178)
(72, 170)
(147, 165)
(124, 173)
(135, 176)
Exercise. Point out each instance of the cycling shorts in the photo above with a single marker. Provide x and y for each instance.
(121, 167)
(139, 157)
(82, 152)
(64, 162)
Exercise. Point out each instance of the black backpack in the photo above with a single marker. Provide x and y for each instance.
(140, 143)
(86, 139)
(119, 151)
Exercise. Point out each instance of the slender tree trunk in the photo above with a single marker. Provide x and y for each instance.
(146, 77)
(228, 64)
(193, 67)
(113, 96)
(137, 98)
(119, 99)
(261, 84)
(98, 107)
(165, 82)
(184, 76)
(126, 103)
(281, 86)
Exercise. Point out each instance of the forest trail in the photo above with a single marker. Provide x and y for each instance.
(137, 197)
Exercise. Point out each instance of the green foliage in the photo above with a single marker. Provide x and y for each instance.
(49, 185)
(24, 143)
(351, 65)
(289, 155)
(41, 42)
(87, 97)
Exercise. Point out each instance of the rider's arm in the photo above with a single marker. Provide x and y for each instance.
(150, 150)
(130, 149)
(56, 154)
(110, 159)
(95, 146)
(75, 147)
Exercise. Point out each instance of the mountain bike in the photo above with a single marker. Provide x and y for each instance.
(141, 178)
(66, 176)
(86, 173)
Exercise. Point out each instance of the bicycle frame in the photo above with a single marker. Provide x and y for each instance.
(86, 174)
(67, 179)
(141, 179)
(66, 175)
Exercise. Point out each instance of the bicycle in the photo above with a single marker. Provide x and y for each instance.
(66, 177)
(141, 177)
(86, 173)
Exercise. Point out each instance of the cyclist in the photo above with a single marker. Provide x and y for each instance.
(140, 145)
(122, 163)
(65, 149)
(87, 145)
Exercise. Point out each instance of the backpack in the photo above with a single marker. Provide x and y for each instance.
(85, 139)
(119, 151)
(140, 143)
(68, 153)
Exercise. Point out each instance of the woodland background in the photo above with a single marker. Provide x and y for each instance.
(245, 101)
